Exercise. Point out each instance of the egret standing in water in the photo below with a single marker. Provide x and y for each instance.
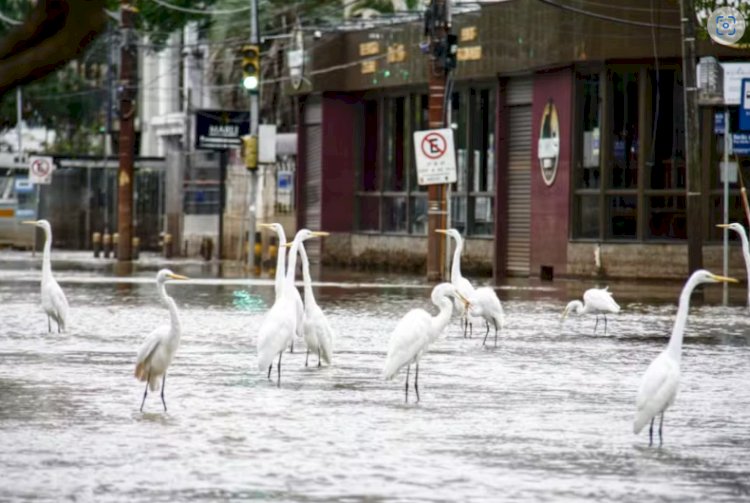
(317, 332)
(739, 229)
(54, 302)
(157, 351)
(280, 324)
(596, 301)
(280, 274)
(659, 384)
(416, 331)
(485, 304)
(462, 285)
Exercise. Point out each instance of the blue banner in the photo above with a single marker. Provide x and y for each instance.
(741, 143)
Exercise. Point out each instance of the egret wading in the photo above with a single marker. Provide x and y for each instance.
(416, 331)
(54, 303)
(280, 274)
(739, 229)
(486, 305)
(462, 285)
(317, 332)
(659, 384)
(597, 301)
(278, 328)
(156, 353)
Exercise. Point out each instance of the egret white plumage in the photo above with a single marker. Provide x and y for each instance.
(281, 273)
(317, 333)
(486, 305)
(461, 284)
(280, 324)
(740, 230)
(659, 384)
(597, 301)
(156, 353)
(416, 331)
(54, 303)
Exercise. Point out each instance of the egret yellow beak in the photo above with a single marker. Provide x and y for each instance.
(463, 299)
(266, 226)
(565, 313)
(723, 279)
(442, 231)
(287, 245)
(29, 222)
(320, 234)
(723, 226)
(176, 276)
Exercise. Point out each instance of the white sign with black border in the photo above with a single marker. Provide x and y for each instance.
(435, 155)
(41, 169)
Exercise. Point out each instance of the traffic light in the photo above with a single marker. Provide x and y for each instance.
(250, 67)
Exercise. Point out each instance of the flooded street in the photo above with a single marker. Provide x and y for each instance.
(545, 416)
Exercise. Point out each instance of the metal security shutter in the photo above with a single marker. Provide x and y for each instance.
(520, 91)
(519, 191)
(313, 175)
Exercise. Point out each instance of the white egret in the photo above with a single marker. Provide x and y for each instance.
(596, 301)
(280, 324)
(486, 305)
(739, 229)
(659, 384)
(157, 351)
(280, 274)
(416, 331)
(317, 333)
(461, 284)
(54, 302)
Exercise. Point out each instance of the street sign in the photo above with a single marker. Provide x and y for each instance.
(220, 129)
(741, 143)
(267, 143)
(41, 169)
(435, 155)
(745, 105)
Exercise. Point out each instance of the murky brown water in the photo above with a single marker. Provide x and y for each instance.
(545, 416)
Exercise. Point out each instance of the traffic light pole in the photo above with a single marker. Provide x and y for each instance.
(254, 121)
(437, 208)
(127, 137)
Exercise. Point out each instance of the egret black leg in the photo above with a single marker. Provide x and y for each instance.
(291, 348)
(494, 321)
(661, 422)
(605, 324)
(416, 382)
(269, 370)
(406, 386)
(163, 384)
(465, 323)
(318, 357)
(145, 392)
(471, 327)
(486, 334)
(49, 325)
(597, 323)
(307, 355)
(278, 369)
(59, 330)
(651, 433)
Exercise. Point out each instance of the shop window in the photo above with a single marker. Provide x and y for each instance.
(624, 132)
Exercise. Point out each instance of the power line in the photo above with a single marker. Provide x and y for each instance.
(213, 12)
(608, 18)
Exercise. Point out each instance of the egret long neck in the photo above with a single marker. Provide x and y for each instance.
(443, 317)
(47, 256)
(291, 266)
(456, 265)
(678, 331)
(309, 297)
(280, 259)
(174, 316)
(746, 255)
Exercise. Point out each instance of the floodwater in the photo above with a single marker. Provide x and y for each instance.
(545, 416)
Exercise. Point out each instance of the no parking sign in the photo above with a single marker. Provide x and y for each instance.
(436, 158)
(41, 169)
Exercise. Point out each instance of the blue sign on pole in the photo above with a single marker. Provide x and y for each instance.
(741, 143)
(719, 127)
(745, 105)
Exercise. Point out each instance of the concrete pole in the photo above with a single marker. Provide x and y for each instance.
(436, 194)
(692, 144)
(127, 136)
(254, 121)
(725, 270)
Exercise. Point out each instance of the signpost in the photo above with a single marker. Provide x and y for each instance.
(221, 130)
(41, 169)
(435, 155)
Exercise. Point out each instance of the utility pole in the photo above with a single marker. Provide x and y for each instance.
(692, 143)
(437, 25)
(127, 136)
(254, 121)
